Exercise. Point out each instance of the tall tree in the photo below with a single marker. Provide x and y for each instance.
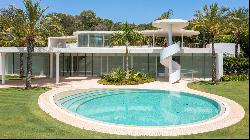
(238, 20)
(166, 15)
(88, 20)
(68, 22)
(49, 26)
(211, 18)
(12, 22)
(33, 14)
(127, 36)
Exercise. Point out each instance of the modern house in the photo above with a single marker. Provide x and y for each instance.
(88, 53)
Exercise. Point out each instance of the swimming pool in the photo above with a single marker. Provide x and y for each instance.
(140, 107)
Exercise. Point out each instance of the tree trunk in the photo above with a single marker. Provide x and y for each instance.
(29, 62)
(127, 74)
(203, 40)
(213, 63)
(21, 72)
(236, 46)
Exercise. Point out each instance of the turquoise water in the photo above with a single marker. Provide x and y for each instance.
(141, 107)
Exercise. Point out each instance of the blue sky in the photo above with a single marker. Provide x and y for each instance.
(134, 11)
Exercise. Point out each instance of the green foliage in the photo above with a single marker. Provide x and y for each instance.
(235, 77)
(235, 69)
(12, 31)
(166, 15)
(235, 65)
(127, 36)
(211, 19)
(50, 26)
(224, 38)
(118, 77)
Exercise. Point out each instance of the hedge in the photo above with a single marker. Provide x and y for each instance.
(235, 77)
(235, 65)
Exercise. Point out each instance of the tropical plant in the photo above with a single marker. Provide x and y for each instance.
(211, 18)
(238, 21)
(117, 76)
(166, 15)
(127, 36)
(12, 31)
(33, 14)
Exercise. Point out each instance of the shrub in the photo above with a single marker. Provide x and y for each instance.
(235, 65)
(118, 77)
(235, 77)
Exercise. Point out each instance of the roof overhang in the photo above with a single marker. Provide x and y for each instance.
(94, 32)
(164, 32)
(64, 38)
(177, 24)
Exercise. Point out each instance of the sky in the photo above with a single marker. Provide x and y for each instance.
(133, 11)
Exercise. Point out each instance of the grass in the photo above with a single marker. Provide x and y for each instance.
(21, 117)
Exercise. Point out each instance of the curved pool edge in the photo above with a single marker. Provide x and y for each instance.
(233, 114)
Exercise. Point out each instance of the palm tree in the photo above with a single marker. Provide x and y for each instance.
(33, 14)
(238, 20)
(166, 15)
(211, 19)
(127, 36)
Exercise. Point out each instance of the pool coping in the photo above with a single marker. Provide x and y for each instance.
(232, 114)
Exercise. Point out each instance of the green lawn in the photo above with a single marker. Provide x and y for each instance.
(21, 117)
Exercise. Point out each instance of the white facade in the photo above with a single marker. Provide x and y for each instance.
(225, 48)
(88, 52)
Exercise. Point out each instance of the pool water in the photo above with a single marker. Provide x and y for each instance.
(140, 107)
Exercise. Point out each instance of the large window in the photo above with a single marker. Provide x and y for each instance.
(83, 40)
(96, 40)
(107, 40)
(196, 65)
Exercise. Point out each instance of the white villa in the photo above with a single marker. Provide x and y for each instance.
(89, 54)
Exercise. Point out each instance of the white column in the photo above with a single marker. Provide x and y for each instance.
(182, 42)
(153, 40)
(219, 65)
(72, 68)
(51, 65)
(238, 49)
(57, 67)
(170, 41)
(3, 67)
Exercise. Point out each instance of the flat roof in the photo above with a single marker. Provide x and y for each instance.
(94, 32)
(64, 38)
(164, 32)
(177, 24)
